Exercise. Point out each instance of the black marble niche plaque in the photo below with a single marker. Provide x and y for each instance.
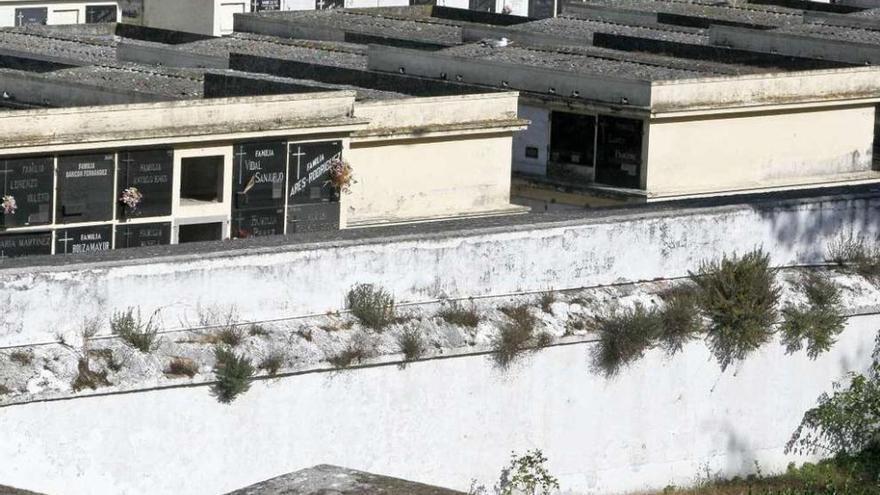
(257, 222)
(152, 173)
(310, 172)
(315, 217)
(143, 235)
(29, 183)
(80, 240)
(259, 175)
(85, 188)
(30, 244)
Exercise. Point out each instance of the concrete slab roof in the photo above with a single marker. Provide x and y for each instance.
(326, 480)
(331, 53)
(834, 32)
(51, 45)
(378, 24)
(711, 11)
(578, 27)
(161, 81)
(600, 61)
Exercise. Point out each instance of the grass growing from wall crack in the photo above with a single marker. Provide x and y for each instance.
(273, 362)
(624, 336)
(359, 348)
(456, 313)
(87, 378)
(134, 330)
(855, 254)
(515, 336)
(546, 302)
(372, 305)
(181, 366)
(23, 358)
(233, 373)
(411, 344)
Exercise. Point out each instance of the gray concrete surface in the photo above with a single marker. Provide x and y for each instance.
(334, 480)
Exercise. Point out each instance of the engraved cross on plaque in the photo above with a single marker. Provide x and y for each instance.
(66, 240)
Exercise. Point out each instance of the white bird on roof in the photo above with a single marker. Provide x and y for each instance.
(496, 43)
(501, 43)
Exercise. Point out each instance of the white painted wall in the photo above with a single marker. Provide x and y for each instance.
(359, 4)
(458, 4)
(59, 12)
(279, 281)
(209, 17)
(517, 7)
(443, 422)
(297, 4)
(536, 135)
(350, 4)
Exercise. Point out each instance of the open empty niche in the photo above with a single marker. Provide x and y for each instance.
(199, 232)
(201, 180)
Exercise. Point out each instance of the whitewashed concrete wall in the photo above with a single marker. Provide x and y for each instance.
(286, 281)
(442, 421)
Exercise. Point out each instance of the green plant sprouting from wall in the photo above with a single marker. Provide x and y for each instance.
(135, 331)
(372, 305)
(233, 373)
(816, 324)
(517, 335)
(733, 304)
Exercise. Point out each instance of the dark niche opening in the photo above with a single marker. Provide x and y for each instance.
(201, 179)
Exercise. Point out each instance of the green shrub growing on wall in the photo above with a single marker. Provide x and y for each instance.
(817, 324)
(624, 336)
(372, 305)
(856, 254)
(134, 330)
(457, 314)
(680, 318)
(360, 347)
(739, 297)
(272, 362)
(233, 373)
(515, 336)
(411, 344)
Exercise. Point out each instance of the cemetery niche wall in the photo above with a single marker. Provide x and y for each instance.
(83, 203)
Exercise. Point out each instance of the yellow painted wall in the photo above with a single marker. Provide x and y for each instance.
(727, 152)
(428, 179)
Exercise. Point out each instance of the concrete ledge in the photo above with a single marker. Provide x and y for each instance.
(490, 73)
(795, 45)
(168, 57)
